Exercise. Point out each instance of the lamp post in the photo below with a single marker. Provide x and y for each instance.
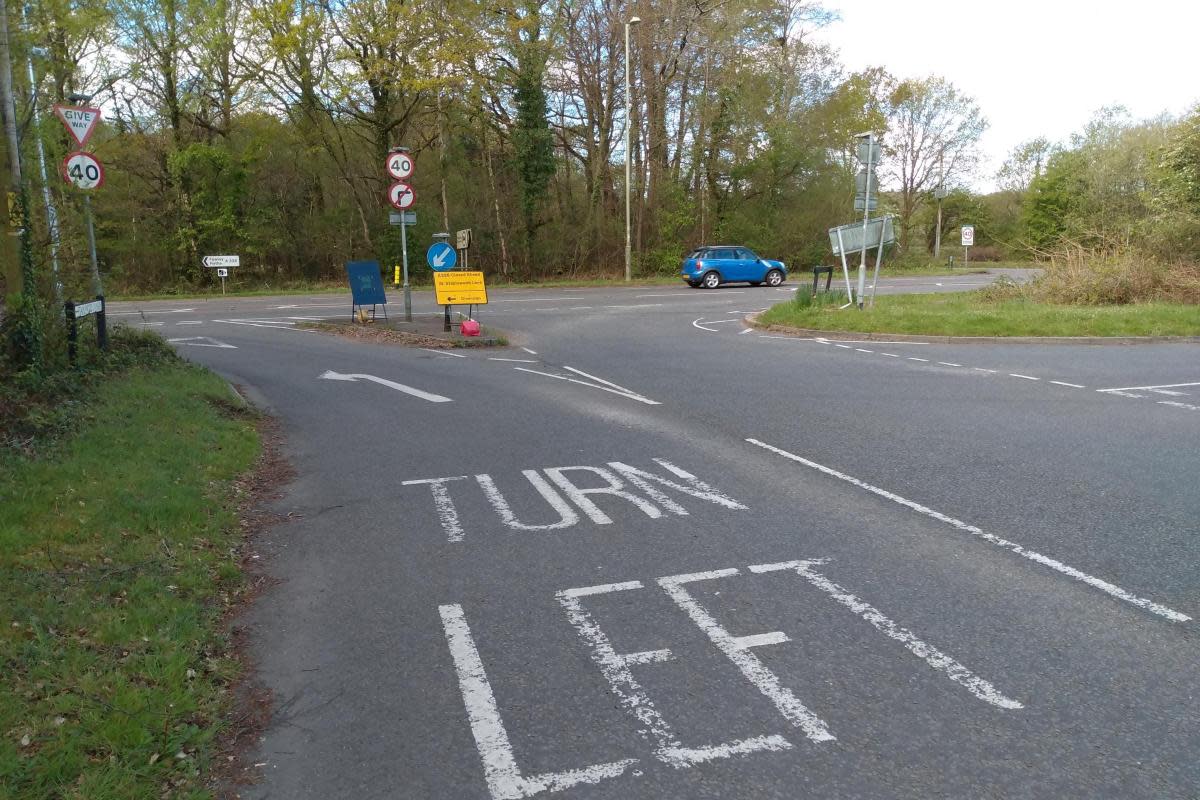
(628, 136)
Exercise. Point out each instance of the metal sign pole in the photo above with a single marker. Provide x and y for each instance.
(878, 261)
(404, 261)
(91, 230)
(862, 265)
(845, 267)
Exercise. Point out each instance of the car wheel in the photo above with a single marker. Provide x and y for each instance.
(774, 278)
(711, 280)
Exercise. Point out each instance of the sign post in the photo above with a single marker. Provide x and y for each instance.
(441, 257)
(221, 264)
(868, 153)
(78, 311)
(400, 167)
(968, 241)
(83, 170)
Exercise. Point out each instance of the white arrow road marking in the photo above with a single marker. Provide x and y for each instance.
(202, 341)
(330, 375)
(610, 387)
(1032, 555)
(696, 324)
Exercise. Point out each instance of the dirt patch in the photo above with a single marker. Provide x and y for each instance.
(251, 708)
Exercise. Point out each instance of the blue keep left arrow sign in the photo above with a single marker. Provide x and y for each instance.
(441, 256)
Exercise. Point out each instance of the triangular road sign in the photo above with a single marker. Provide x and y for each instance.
(79, 121)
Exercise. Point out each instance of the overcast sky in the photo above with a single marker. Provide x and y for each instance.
(1035, 68)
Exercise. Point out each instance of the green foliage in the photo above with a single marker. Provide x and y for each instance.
(118, 558)
(533, 144)
(21, 331)
(1055, 200)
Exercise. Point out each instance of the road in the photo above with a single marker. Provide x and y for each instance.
(646, 552)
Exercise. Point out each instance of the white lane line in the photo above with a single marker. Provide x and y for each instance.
(622, 393)
(197, 322)
(747, 330)
(546, 309)
(1072, 385)
(736, 650)
(579, 308)
(500, 769)
(889, 355)
(712, 321)
(202, 341)
(696, 324)
(984, 369)
(1178, 404)
(281, 326)
(533, 299)
(531, 352)
(1120, 393)
(912, 358)
(441, 352)
(150, 324)
(676, 294)
(949, 364)
(638, 305)
(599, 380)
(935, 658)
(861, 350)
(330, 375)
(1058, 566)
(139, 313)
(1023, 377)
(516, 360)
(1158, 386)
(1169, 393)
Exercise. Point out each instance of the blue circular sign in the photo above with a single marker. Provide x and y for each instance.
(441, 257)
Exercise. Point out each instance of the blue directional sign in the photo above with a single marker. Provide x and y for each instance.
(441, 257)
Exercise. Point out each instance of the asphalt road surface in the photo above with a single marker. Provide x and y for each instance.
(646, 552)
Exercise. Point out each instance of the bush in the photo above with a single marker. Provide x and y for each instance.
(1115, 273)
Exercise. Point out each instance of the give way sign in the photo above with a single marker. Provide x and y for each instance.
(79, 121)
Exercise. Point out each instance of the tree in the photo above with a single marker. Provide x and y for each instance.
(1025, 162)
(933, 130)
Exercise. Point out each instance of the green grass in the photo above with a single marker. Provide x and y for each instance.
(116, 565)
(970, 314)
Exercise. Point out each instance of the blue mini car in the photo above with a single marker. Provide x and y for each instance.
(711, 266)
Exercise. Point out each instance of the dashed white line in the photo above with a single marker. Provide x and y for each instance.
(984, 369)
(1072, 385)
(441, 352)
(910, 358)
(861, 350)
(1178, 404)
(1157, 386)
(197, 322)
(949, 364)
(889, 355)
(516, 360)
(531, 352)
(1054, 564)
(1023, 377)
(847, 347)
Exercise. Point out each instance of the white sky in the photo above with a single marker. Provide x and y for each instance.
(1035, 68)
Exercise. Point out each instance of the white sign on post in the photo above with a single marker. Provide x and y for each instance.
(400, 165)
(83, 171)
(222, 261)
(463, 239)
(222, 272)
(80, 122)
(968, 235)
(401, 196)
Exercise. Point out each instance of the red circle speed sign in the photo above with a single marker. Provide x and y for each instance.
(83, 170)
(401, 196)
(400, 165)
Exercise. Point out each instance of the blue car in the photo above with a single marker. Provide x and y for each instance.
(711, 266)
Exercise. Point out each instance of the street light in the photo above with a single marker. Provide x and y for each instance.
(628, 127)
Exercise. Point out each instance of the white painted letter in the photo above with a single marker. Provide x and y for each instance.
(737, 650)
(615, 485)
(616, 670)
(504, 778)
(698, 488)
(566, 515)
(447, 513)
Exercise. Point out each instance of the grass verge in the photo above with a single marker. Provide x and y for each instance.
(974, 314)
(118, 559)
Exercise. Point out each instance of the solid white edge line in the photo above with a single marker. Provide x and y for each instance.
(1058, 566)
(1159, 386)
(441, 352)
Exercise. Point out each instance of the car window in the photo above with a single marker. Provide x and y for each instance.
(695, 253)
(722, 254)
(746, 255)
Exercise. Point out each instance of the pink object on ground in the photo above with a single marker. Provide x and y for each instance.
(470, 327)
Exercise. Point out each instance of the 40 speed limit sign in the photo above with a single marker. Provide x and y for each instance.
(83, 171)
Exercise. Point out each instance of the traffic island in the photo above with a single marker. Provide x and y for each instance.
(428, 332)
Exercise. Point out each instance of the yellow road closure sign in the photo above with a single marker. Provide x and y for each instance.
(459, 288)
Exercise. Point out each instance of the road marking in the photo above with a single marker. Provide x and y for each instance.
(715, 321)
(615, 667)
(1058, 566)
(515, 360)
(847, 347)
(1023, 377)
(889, 355)
(736, 649)
(579, 308)
(639, 305)
(1072, 385)
(139, 313)
(622, 392)
(949, 364)
(279, 326)
(747, 330)
(532, 299)
(531, 352)
(441, 352)
(566, 515)
(935, 658)
(330, 375)
(150, 324)
(1159, 386)
(676, 294)
(500, 769)
(1169, 393)
(202, 341)
(913, 358)
(983, 369)
(861, 350)
(447, 513)
(196, 322)
(1120, 393)
(546, 309)
(1178, 404)
(696, 324)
